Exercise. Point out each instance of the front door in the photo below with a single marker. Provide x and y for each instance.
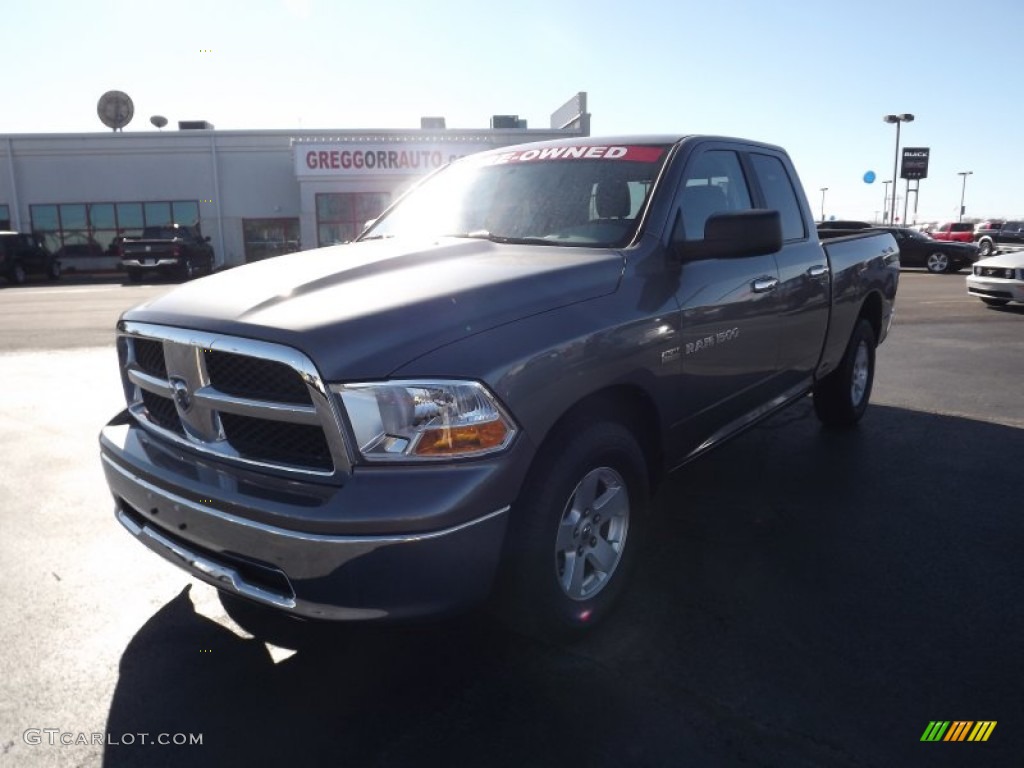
(729, 336)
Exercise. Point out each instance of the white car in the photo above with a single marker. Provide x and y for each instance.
(998, 280)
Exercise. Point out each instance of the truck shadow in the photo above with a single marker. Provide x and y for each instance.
(790, 579)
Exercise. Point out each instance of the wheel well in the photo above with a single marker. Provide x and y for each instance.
(631, 406)
(871, 311)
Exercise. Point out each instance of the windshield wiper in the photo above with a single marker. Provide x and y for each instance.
(483, 234)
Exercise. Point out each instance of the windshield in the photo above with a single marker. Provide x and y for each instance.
(564, 195)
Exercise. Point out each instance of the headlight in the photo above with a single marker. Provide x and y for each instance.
(425, 420)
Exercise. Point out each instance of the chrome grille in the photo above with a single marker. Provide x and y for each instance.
(161, 412)
(255, 378)
(277, 440)
(150, 356)
(250, 402)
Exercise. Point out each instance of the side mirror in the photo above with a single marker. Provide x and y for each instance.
(206, 239)
(732, 235)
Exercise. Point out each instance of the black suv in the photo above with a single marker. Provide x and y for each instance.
(22, 255)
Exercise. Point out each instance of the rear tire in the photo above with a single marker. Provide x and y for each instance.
(575, 531)
(134, 276)
(841, 398)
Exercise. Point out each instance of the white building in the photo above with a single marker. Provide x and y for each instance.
(254, 193)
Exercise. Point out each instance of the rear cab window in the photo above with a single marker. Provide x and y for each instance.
(778, 191)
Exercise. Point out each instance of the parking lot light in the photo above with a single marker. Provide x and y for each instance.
(963, 189)
(906, 117)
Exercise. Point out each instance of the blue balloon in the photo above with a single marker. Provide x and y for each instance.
(869, 177)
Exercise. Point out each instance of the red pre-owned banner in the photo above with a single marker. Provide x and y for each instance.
(639, 154)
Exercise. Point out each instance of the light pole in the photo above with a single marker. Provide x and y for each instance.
(885, 201)
(963, 189)
(823, 191)
(906, 117)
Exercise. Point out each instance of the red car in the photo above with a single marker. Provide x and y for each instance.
(959, 231)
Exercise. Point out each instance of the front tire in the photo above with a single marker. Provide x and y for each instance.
(938, 262)
(841, 398)
(984, 248)
(576, 530)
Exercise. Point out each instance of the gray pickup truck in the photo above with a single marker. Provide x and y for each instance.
(481, 393)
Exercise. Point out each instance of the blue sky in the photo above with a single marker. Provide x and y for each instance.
(815, 78)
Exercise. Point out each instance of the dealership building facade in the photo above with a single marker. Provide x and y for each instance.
(254, 193)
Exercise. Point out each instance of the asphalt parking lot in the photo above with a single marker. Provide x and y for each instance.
(805, 599)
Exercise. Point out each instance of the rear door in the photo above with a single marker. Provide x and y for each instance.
(803, 295)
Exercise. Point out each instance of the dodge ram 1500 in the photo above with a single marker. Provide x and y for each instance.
(482, 392)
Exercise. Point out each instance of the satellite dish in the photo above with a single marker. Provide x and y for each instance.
(158, 120)
(115, 109)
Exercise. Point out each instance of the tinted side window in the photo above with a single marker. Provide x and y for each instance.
(779, 194)
(714, 184)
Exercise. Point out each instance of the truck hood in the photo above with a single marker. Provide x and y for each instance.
(362, 310)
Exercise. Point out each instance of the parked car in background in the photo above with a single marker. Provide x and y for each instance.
(22, 255)
(988, 224)
(999, 279)
(958, 231)
(997, 234)
(174, 250)
(920, 250)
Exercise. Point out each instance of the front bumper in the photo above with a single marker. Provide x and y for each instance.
(995, 288)
(390, 543)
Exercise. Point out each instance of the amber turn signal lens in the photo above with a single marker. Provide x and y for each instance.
(460, 440)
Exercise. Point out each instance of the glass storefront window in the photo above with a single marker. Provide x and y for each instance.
(51, 240)
(101, 216)
(104, 238)
(95, 229)
(158, 214)
(265, 238)
(370, 206)
(186, 212)
(73, 216)
(44, 218)
(129, 216)
(341, 217)
(5, 217)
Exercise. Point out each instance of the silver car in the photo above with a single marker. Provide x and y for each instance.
(998, 280)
